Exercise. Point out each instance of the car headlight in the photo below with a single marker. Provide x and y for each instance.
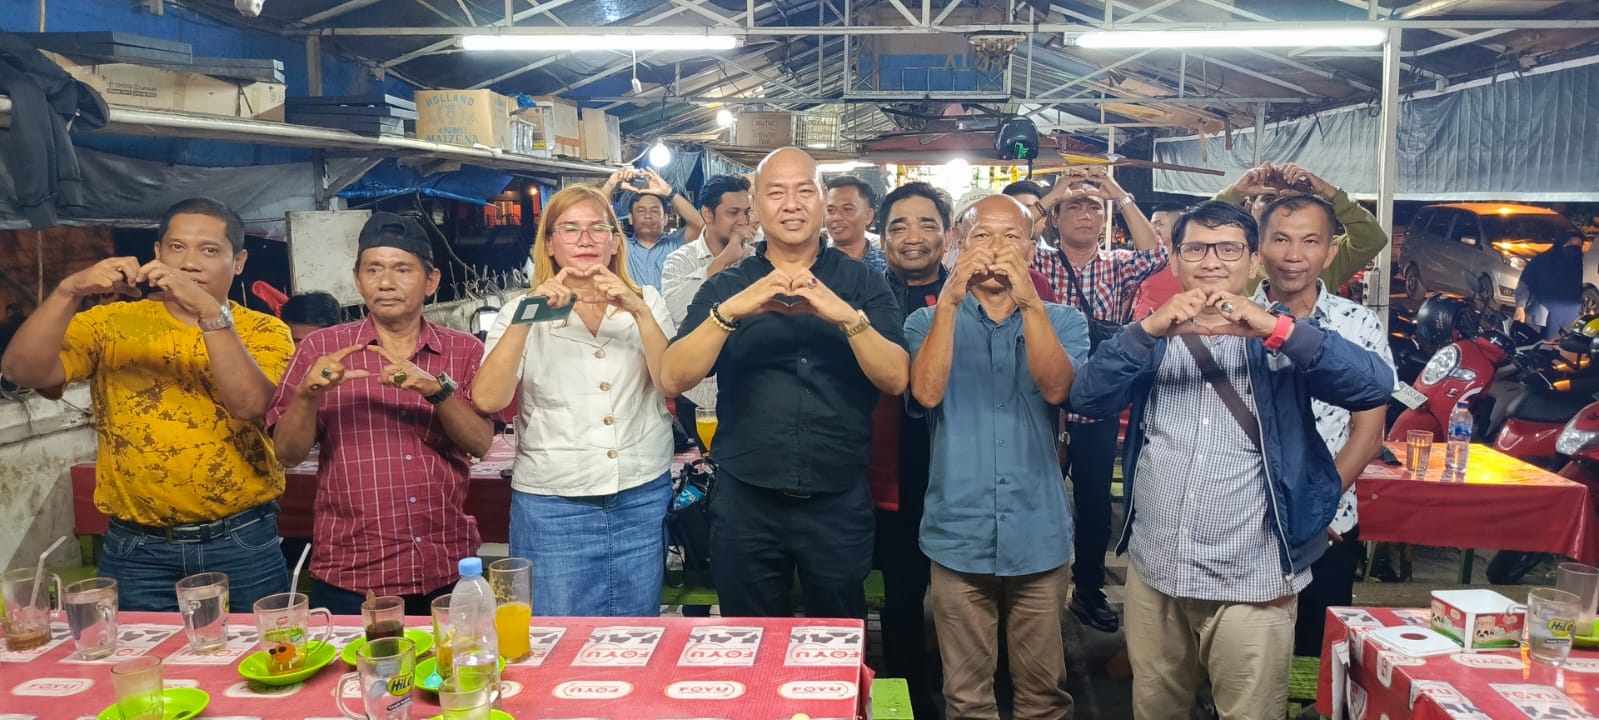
(1516, 262)
(1443, 362)
(1573, 440)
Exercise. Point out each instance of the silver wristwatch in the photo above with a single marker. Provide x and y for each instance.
(222, 321)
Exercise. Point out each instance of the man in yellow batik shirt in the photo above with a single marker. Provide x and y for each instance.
(181, 381)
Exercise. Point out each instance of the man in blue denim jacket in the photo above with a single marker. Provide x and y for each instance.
(1230, 487)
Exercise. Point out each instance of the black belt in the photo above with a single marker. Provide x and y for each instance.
(203, 532)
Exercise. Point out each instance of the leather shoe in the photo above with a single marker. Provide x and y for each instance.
(1092, 609)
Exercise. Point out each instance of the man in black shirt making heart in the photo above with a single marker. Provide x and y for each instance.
(801, 339)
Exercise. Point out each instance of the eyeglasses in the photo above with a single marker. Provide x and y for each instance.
(1225, 251)
(571, 233)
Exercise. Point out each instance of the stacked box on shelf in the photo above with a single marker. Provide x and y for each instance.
(154, 88)
(464, 117)
(372, 115)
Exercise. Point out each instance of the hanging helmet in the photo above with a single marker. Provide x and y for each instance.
(1441, 317)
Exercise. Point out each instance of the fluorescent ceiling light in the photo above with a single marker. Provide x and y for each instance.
(1428, 8)
(1326, 37)
(600, 43)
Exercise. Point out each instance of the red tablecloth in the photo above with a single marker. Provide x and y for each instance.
(1462, 686)
(488, 497)
(1503, 504)
(670, 668)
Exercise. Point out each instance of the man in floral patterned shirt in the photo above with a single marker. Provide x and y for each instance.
(1296, 245)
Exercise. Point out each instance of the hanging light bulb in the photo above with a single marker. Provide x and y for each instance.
(724, 117)
(660, 155)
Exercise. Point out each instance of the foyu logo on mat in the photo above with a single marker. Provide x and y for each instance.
(593, 689)
(619, 646)
(705, 690)
(720, 645)
(830, 646)
(53, 687)
(818, 690)
(1487, 662)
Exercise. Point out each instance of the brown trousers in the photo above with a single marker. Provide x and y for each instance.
(1247, 648)
(966, 613)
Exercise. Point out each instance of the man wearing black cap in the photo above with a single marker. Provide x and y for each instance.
(388, 400)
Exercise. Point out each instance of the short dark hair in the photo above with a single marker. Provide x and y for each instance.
(319, 309)
(910, 190)
(1170, 207)
(1215, 214)
(1295, 203)
(234, 225)
(640, 196)
(861, 186)
(718, 185)
(1025, 187)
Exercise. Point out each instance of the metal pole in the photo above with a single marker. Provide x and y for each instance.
(313, 64)
(1377, 291)
(1260, 130)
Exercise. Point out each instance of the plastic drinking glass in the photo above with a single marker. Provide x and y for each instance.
(203, 603)
(705, 424)
(1583, 581)
(383, 670)
(91, 610)
(138, 686)
(28, 611)
(443, 636)
(1418, 451)
(1551, 618)
(512, 580)
(284, 620)
(383, 617)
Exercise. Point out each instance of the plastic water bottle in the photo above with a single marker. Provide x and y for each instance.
(475, 646)
(1459, 436)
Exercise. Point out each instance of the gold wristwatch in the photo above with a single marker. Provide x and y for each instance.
(859, 327)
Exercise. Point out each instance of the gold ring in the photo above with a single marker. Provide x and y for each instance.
(398, 378)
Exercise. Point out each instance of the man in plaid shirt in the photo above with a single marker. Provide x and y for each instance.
(1103, 284)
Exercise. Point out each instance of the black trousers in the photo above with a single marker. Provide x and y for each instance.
(1332, 583)
(760, 537)
(1090, 460)
(906, 574)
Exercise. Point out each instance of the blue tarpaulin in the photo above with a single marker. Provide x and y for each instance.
(388, 179)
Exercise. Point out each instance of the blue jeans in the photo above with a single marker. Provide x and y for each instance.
(596, 556)
(147, 567)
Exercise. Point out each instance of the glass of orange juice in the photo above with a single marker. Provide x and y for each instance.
(512, 580)
(705, 424)
(443, 636)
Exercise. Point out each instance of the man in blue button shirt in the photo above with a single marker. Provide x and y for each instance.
(991, 363)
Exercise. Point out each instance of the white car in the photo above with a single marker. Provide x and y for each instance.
(1490, 241)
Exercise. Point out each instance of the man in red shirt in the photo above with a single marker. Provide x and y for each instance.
(1160, 287)
(388, 400)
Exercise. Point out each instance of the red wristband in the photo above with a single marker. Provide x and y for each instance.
(1279, 334)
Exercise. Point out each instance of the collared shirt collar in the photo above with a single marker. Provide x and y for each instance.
(428, 338)
(898, 282)
(1318, 312)
(821, 253)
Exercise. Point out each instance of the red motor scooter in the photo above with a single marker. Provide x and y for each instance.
(1460, 370)
(1554, 381)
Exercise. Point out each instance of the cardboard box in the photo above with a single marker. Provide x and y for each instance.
(764, 129)
(562, 128)
(463, 117)
(154, 89)
(527, 136)
(1479, 620)
(602, 136)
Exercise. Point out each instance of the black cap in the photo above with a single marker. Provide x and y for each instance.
(386, 229)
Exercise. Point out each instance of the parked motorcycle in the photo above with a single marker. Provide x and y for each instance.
(1461, 368)
(1552, 383)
